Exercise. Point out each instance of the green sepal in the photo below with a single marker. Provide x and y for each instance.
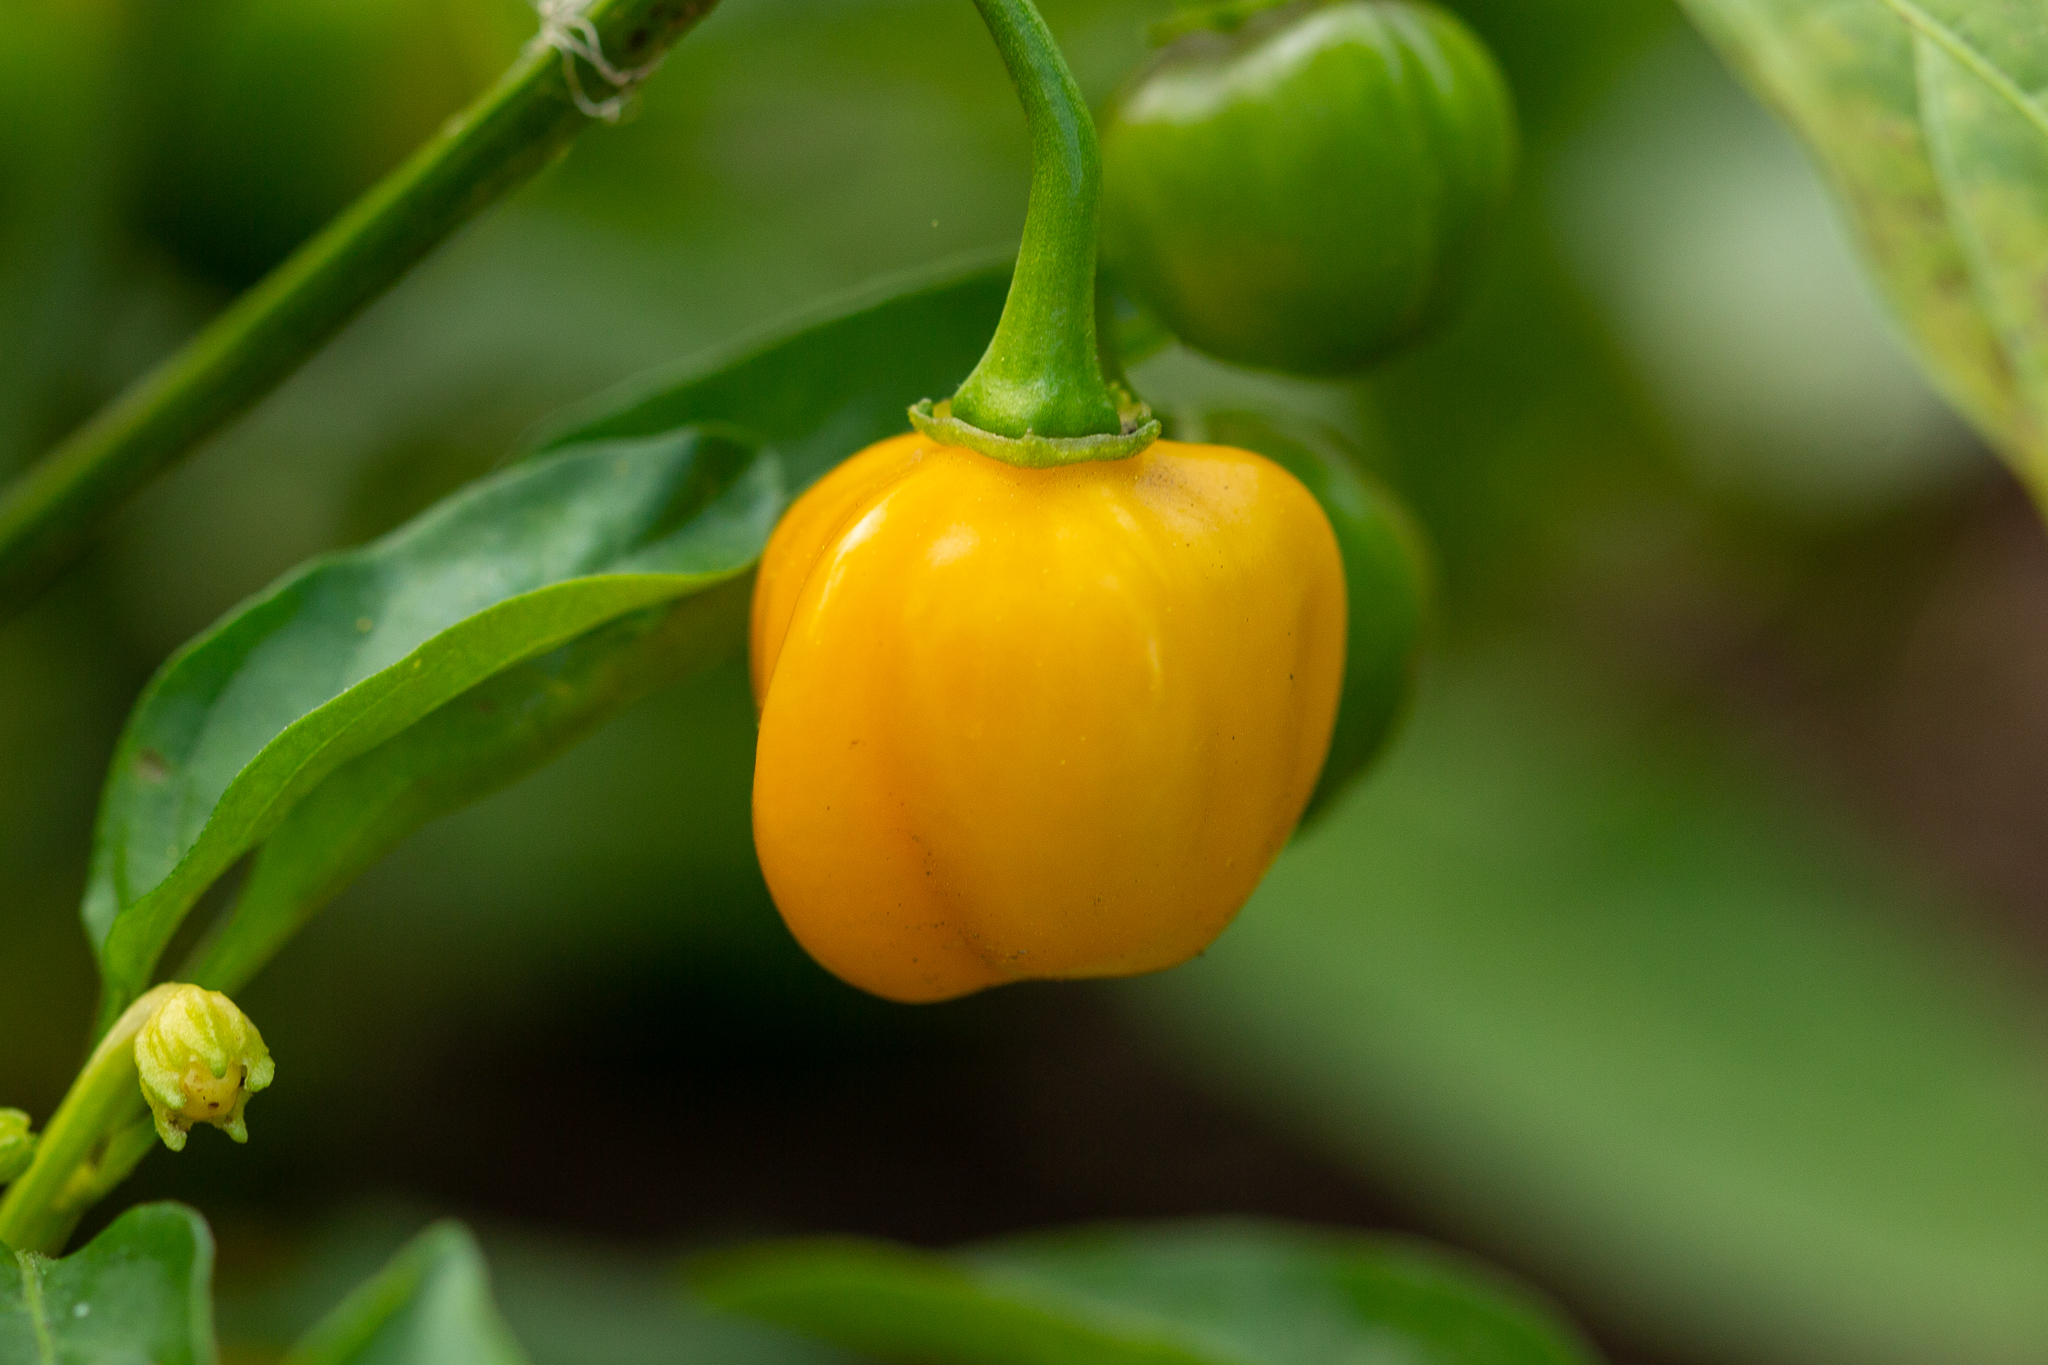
(17, 1144)
(1226, 16)
(1035, 452)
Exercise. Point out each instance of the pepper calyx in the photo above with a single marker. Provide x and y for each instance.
(1030, 451)
(1223, 16)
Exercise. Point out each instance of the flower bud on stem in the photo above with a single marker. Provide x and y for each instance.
(197, 1058)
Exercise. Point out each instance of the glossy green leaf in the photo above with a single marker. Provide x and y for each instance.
(1583, 975)
(430, 1306)
(821, 388)
(137, 1294)
(357, 649)
(485, 739)
(1927, 116)
(1207, 1293)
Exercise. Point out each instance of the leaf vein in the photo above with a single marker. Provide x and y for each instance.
(1965, 52)
(32, 1300)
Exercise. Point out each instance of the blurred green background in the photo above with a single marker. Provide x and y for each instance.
(1686, 956)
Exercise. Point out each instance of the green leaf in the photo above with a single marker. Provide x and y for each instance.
(485, 739)
(137, 1294)
(1580, 973)
(821, 388)
(1927, 117)
(353, 651)
(430, 1306)
(566, 1303)
(1205, 1293)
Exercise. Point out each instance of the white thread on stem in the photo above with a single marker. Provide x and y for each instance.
(565, 26)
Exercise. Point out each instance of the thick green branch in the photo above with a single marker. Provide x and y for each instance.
(512, 131)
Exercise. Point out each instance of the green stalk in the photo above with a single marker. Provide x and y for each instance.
(1038, 396)
(525, 121)
(105, 1101)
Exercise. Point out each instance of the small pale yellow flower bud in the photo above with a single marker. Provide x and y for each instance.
(200, 1059)
(17, 1144)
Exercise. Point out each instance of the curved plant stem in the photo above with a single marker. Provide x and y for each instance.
(1041, 376)
(498, 143)
(103, 1103)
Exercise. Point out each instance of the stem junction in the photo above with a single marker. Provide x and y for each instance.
(1038, 397)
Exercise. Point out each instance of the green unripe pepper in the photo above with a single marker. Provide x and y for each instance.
(1309, 191)
(1387, 582)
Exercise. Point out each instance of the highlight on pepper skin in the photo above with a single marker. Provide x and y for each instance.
(1022, 723)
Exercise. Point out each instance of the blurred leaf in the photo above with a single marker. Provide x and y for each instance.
(821, 388)
(57, 108)
(566, 1304)
(1560, 55)
(430, 1306)
(1505, 487)
(138, 1292)
(1926, 118)
(1216, 1293)
(1575, 971)
(575, 1307)
(1729, 277)
(357, 648)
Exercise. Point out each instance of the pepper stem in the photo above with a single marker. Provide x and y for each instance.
(41, 1207)
(1040, 381)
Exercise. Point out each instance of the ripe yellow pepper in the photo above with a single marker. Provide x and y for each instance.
(1022, 723)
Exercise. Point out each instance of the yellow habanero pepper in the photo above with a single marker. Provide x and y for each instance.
(1041, 695)
(1022, 722)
